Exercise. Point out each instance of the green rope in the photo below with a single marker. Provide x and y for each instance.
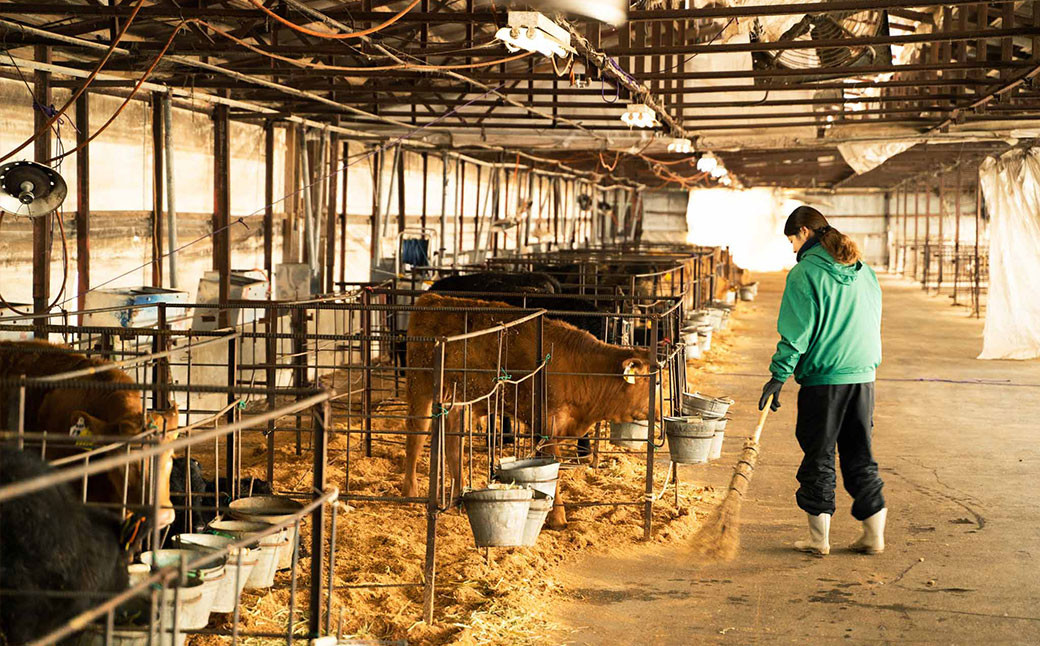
(442, 413)
(505, 376)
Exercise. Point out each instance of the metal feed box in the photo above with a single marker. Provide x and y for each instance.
(294, 281)
(125, 307)
(250, 285)
(14, 321)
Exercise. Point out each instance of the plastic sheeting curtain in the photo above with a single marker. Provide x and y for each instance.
(1011, 188)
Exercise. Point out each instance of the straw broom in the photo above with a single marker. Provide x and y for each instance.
(719, 538)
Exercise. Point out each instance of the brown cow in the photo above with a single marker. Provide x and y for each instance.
(90, 412)
(607, 387)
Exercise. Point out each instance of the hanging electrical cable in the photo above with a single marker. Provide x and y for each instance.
(340, 68)
(129, 97)
(90, 79)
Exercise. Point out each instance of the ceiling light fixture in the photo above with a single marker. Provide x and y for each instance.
(680, 145)
(640, 115)
(532, 32)
(719, 171)
(707, 162)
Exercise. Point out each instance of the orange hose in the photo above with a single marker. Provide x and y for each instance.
(356, 34)
(126, 101)
(83, 88)
(666, 163)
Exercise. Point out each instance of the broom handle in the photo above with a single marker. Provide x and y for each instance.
(761, 424)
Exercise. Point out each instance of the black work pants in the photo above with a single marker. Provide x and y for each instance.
(837, 416)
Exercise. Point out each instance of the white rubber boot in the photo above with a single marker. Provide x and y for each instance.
(819, 536)
(873, 539)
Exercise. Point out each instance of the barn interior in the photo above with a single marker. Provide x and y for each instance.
(445, 321)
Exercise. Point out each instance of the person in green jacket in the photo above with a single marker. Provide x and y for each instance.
(830, 340)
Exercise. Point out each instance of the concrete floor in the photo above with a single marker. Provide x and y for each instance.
(960, 462)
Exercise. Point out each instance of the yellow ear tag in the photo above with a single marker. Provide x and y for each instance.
(80, 429)
(630, 374)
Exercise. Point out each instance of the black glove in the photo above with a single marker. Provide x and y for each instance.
(771, 391)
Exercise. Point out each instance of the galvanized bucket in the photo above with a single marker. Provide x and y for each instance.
(705, 406)
(498, 516)
(693, 351)
(540, 474)
(716, 318)
(262, 574)
(629, 435)
(272, 510)
(235, 577)
(716, 445)
(700, 317)
(704, 338)
(720, 435)
(212, 575)
(689, 438)
(541, 505)
(747, 293)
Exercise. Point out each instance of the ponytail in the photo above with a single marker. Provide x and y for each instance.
(841, 247)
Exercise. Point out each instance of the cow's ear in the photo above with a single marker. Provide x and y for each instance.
(632, 367)
(171, 418)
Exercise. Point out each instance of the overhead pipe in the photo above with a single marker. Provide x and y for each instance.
(444, 207)
(308, 207)
(171, 189)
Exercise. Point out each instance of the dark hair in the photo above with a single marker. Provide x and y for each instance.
(841, 247)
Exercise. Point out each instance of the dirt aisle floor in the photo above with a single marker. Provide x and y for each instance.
(960, 462)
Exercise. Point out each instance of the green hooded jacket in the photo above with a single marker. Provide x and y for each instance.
(829, 323)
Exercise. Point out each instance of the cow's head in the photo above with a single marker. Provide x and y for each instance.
(162, 425)
(633, 371)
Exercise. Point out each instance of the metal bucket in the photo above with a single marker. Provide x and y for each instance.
(272, 510)
(731, 297)
(705, 406)
(748, 293)
(263, 571)
(537, 473)
(720, 434)
(689, 334)
(541, 505)
(212, 575)
(704, 338)
(689, 438)
(716, 318)
(193, 608)
(716, 445)
(629, 435)
(498, 516)
(700, 317)
(235, 576)
(693, 351)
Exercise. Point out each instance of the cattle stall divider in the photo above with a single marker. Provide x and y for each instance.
(148, 448)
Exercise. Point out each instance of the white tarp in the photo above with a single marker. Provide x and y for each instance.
(1011, 188)
(867, 156)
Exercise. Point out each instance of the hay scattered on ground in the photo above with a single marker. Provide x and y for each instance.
(479, 600)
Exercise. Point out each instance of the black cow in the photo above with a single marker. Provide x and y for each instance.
(51, 541)
(495, 281)
(203, 495)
